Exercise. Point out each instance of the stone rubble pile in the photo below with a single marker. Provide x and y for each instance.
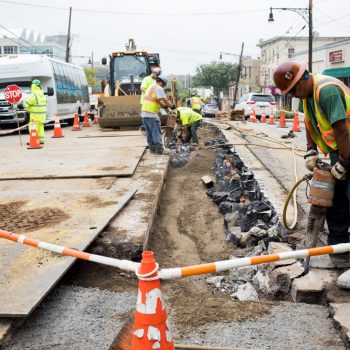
(253, 225)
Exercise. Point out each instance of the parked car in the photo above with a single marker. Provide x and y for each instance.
(260, 102)
(209, 110)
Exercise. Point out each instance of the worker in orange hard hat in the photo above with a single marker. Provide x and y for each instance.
(325, 104)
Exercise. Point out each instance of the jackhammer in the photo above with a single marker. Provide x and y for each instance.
(320, 197)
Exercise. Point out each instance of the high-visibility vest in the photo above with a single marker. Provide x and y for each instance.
(146, 83)
(36, 103)
(150, 102)
(196, 102)
(323, 135)
(188, 116)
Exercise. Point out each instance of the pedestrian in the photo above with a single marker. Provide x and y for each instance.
(326, 105)
(190, 120)
(36, 105)
(196, 103)
(148, 81)
(154, 99)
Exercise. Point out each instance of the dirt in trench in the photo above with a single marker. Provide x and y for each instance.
(188, 231)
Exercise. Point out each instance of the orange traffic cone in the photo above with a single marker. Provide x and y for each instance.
(282, 123)
(57, 130)
(263, 117)
(151, 328)
(76, 125)
(271, 119)
(96, 118)
(296, 125)
(34, 141)
(86, 120)
(251, 116)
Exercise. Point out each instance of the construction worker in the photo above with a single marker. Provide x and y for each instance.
(36, 105)
(325, 104)
(146, 83)
(196, 103)
(154, 99)
(190, 120)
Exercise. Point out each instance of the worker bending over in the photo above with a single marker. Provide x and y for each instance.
(190, 120)
(326, 105)
(154, 99)
(36, 105)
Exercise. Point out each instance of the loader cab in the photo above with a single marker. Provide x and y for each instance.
(127, 69)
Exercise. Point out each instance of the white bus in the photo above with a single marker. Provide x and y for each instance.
(68, 81)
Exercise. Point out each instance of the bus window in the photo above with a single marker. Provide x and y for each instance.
(63, 79)
(57, 77)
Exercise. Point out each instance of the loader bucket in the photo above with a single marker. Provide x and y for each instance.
(120, 111)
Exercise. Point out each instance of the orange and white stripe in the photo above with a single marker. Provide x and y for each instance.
(178, 272)
(121, 264)
(254, 260)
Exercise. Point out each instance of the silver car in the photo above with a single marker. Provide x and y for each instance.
(209, 110)
(260, 102)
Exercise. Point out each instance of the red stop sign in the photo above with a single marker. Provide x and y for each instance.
(12, 93)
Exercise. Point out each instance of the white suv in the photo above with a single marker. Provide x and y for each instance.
(260, 102)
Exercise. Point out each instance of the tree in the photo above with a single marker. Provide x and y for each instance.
(218, 75)
(91, 76)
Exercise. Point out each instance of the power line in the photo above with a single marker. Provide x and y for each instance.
(135, 13)
(331, 18)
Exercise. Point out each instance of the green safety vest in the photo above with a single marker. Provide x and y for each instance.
(188, 117)
(146, 83)
(36, 103)
(150, 103)
(196, 103)
(323, 136)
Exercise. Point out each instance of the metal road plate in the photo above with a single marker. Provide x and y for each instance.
(72, 219)
(74, 162)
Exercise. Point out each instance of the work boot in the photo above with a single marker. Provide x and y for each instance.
(162, 151)
(344, 280)
(340, 261)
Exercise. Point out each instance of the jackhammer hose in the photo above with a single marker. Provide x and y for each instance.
(290, 194)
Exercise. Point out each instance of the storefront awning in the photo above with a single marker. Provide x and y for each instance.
(338, 72)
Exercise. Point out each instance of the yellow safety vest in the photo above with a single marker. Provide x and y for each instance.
(146, 83)
(36, 103)
(324, 136)
(188, 117)
(196, 103)
(150, 102)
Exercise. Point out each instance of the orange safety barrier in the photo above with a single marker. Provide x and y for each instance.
(34, 142)
(151, 327)
(57, 130)
(271, 119)
(296, 124)
(76, 125)
(282, 123)
(263, 117)
(86, 120)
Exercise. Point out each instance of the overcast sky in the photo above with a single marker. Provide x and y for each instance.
(186, 33)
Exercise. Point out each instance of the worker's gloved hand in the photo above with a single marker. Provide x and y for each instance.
(338, 171)
(311, 158)
(20, 105)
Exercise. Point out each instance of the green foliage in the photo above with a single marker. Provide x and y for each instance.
(91, 76)
(218, 75)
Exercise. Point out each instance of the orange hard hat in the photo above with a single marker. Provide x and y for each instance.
(287, 74)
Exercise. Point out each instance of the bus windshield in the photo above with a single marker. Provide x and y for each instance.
(24, 85)
(126, 65)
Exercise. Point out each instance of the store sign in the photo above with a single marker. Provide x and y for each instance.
(336, 56)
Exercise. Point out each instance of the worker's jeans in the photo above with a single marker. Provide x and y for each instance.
(338, 216)
(153, 133)
(194, 128)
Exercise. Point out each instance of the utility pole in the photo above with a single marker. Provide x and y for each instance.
(68, 37)
(239, 69)
(92, 59)
(310, 35)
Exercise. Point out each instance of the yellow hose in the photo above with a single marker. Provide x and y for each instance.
(284, 215)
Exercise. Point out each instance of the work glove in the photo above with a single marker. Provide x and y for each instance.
(338, 171)
(311, 158)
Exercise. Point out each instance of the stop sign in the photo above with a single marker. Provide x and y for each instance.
(12, 93)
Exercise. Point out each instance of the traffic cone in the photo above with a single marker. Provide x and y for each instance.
(76, 125)
(96, 118)
(296, 124)
(86, 120)
(151, 327)
(57, 130)
(251, 116)
(34, 141)
(263, 117)
(271, 119)
(282, 123)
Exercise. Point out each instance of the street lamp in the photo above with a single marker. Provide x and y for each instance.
(306, 14)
